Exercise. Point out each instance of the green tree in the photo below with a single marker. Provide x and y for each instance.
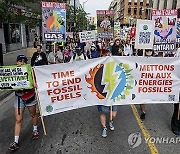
(10, 10)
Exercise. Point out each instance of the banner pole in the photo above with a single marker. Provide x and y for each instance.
(178, 112)
(38, 101)
(54, 53)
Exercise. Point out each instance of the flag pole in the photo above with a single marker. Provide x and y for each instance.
(38, 101)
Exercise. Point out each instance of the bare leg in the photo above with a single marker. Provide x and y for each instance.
(103, 119)
(32, 111)
(19, 119)
(142, 107)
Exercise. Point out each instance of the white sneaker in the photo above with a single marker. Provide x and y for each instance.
(111, 126)
(104, 132)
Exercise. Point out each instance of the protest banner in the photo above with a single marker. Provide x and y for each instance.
(144, 34)
(178, 31)
(108, 81)
(54, 21)
(165, 29)
(87, 36)
(15, 77)
(105, 23)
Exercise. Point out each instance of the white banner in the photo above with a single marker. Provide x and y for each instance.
(108, 81)
(144, 34)
(87, 36)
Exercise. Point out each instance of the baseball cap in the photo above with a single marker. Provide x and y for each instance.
(21, 57)
(78, 49)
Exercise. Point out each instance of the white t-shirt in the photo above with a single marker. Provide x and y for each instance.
(78, 58)
(51, 57)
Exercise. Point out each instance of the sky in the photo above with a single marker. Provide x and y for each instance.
(92, 5)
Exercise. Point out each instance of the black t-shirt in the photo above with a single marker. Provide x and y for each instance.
(115, 50)
(39, 59)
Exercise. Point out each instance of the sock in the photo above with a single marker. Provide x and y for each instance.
(16, 139)
(34, 128)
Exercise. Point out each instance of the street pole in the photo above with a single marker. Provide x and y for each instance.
(74, 18)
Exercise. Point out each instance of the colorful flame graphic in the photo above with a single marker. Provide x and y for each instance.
(90, 80)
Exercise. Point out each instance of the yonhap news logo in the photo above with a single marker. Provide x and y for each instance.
(135, 140)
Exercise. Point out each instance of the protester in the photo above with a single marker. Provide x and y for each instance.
(24, 98)
(79, 55)
(128, 49)
(93, 52)
(67, 54)
(148, 53)
(103, 110)
(103, 50)
(116, 48)
(39, 57)
(55, 57)
(175, 123)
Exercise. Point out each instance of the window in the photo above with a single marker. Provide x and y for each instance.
(129, 11)
(174, 4)
(165, 3)
(15, 33)
(135, 11)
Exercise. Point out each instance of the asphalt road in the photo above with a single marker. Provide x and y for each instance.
(78, 132)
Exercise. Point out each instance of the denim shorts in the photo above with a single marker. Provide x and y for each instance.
(106, 109)
(23, 104)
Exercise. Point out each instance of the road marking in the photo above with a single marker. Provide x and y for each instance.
(144, 130)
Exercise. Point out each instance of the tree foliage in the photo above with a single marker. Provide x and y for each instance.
(10, 10)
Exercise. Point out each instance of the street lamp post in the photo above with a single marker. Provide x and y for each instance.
(74, 30)
(84, 3)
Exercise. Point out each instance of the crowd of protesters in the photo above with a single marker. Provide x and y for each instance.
(74, 50)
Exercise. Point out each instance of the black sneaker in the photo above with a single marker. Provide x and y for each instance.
(14, 146)
(143, 116)
(177, 133)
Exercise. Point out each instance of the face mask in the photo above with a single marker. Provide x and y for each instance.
(111, 44)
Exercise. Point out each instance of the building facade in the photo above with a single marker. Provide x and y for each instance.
(127, 11)
(166, 4)
(18, 35)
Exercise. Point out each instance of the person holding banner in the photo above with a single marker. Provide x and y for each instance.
(24, 98)
(175, 121)
(55, 57)
(148, 53)
(103, 110)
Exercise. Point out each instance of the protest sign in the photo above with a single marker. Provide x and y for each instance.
(54, 21)
(132, 32)
(178, 31)
(165, 29)
(69, 34)
(105, 23)
(144, 34)
(108, 81)
(87, 36)
(15, 78)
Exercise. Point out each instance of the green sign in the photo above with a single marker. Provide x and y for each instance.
(15, 77)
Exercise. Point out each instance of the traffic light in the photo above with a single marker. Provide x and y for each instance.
(92, 19)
